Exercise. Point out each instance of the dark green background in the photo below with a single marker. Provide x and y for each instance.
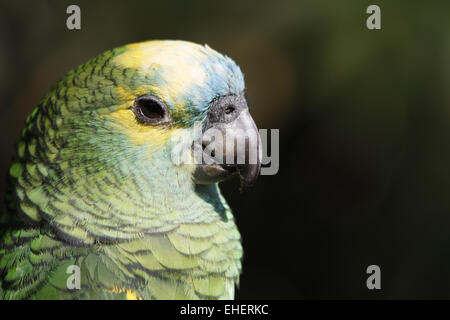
(363, 116)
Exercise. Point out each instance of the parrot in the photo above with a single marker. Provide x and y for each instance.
(96, 204)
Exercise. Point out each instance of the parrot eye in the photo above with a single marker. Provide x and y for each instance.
(150, 110)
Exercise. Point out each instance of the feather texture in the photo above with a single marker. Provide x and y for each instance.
(91, 187)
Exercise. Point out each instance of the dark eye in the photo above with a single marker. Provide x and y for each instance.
(229, 109)
(150, 110)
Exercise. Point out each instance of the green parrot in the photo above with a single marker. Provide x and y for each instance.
(97, 207)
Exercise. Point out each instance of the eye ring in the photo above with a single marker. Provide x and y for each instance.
(150, 110)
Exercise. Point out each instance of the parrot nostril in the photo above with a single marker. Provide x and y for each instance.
(212, 152)
(229, 109)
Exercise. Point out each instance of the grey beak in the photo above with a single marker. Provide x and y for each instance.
(248, 160)
(230, 131)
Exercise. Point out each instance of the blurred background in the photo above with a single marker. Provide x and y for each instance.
(364, 123)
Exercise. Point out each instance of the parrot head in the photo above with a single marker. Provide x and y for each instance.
(178, 87)
(100, 156)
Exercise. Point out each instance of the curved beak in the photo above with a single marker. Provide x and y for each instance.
(231, 143)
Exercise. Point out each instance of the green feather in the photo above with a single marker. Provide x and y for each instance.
(83, 192)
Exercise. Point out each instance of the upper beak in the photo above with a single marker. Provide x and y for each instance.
(230, 143)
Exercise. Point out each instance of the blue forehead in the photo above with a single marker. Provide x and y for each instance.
(187, 76)
(224, 77)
